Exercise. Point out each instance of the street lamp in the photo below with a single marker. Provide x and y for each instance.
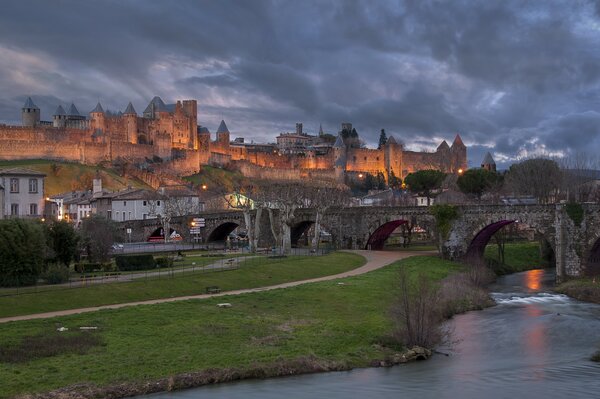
(460, 171)
(204, 187)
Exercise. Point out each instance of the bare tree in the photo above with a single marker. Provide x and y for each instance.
(169, 203)
(286, 197)
(579, 174)
(322, 198)
(539, 177)
(246, 198)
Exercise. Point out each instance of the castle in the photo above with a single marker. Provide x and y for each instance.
(169, 135)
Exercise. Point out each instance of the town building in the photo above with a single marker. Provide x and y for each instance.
(23, 193)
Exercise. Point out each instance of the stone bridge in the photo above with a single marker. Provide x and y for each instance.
(576, 246)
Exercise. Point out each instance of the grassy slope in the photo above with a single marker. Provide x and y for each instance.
(252, 273)
(70, 174)
(326, 320)
(517, 256)
(584, 289)
(216, 177)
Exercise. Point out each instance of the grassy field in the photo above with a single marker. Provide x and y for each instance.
(252, 273)
(518, 257)
(326, 322)
(69, 176)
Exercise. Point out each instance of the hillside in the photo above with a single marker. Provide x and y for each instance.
(214, 177)
(65, 176)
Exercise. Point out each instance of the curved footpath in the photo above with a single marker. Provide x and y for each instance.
(375, 260)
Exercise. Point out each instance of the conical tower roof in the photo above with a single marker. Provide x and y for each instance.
(391, 140)
(458, 141)
(321, 130)
(222, 128)
(30, 104)
(98, 109)
(73, 111)
(339, 142)
(60, 111)
(130, 110)
(158, 103)
(488, 160)
(443, 146)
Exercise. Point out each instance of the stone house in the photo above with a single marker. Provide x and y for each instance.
(23, 192)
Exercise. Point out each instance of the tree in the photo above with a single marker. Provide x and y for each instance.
(477, 181)
(424, 182)
(538, 177)
(167, 204)
(64, 241)
(322, 198)
(382, 139)
(393, 181)
(97, 236)
(22, 250)
(245, 197)
(285, 197)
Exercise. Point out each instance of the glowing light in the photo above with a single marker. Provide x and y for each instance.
(460, 171)
(533, 279)
(204, 187)
(360, 175)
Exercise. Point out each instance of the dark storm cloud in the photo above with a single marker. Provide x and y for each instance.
(511, 77)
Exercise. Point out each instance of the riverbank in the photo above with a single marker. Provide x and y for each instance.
(518, 257)
(326, 326)
(585, 289)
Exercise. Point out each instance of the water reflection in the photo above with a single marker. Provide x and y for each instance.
(533, 280)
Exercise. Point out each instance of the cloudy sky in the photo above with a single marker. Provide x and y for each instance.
(513, 77)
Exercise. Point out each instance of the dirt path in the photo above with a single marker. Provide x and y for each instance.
(375, 260)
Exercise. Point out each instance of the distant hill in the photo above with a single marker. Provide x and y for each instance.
(65, 176)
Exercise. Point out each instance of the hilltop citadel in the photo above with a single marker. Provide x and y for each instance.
(169, 134)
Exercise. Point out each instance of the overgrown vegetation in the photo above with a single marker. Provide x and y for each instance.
(584, 289)
(135, 262)
(575, 212)
(518, 257)
(22, 252)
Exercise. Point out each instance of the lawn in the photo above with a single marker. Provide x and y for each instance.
(326, 322)
(68, 176)
(518, 257)
(252, 273)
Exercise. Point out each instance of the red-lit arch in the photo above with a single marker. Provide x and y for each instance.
(377, 240)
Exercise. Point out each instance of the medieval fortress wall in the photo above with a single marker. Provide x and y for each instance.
(170, 134)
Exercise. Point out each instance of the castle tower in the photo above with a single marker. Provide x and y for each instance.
(97, 117)
(30, 113)
(488, 163)
(203, 139)
(131, 123)
(190, 108)
(444, 157)
(223, 135)
(339, 158)
(458, 154)
(154, 108)
(299, 128)
(392, 153)
(59, 119)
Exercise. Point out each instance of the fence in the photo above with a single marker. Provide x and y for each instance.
(184, 265)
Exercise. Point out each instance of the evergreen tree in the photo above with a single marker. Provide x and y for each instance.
(382, 139)
(63, 239)
(477, 181)
(22, 252)
(424, 182)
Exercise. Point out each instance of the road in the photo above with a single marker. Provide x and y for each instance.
(374, 260)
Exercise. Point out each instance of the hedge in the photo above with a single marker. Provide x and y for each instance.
(135, 262)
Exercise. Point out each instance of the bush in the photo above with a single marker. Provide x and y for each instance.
(164, 262)
(56, 274)
(135, 262)
(22, 250)
(88, 267)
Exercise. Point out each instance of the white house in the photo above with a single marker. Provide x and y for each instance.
(23, 192)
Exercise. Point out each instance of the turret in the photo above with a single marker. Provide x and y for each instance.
(155, 107)
(393, 157)
(30, 113)
(339, 157)
(223, 134)
(488, 163)
(131, 123)
(59, 119)
(190, 108)
(97, 117)
(458, 152)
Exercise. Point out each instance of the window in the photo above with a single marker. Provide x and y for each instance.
(123, 215)
(145, 203)
(124, 203)
(14, 209)
(33, 209)
(129, 215)
(33, 185)
(14, 185)
(157, 203)
(144, 216)
(109, 214)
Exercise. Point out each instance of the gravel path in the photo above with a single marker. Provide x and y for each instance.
(375, 260)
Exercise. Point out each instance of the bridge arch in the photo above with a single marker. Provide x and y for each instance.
(592, 264)
(221, 232)
(377, 239)
(298, 230)
(483, 233)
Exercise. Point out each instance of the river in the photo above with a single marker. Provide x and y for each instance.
(533, 344)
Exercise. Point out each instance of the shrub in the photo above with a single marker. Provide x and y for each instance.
(87, 267)
(164, 262)
(56, 274)
(108, 267)
(596, 357)
(135, 262)
(22, 249)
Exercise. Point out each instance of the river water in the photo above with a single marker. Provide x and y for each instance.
(533, 344)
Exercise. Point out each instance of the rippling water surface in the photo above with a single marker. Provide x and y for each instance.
(533, 344)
